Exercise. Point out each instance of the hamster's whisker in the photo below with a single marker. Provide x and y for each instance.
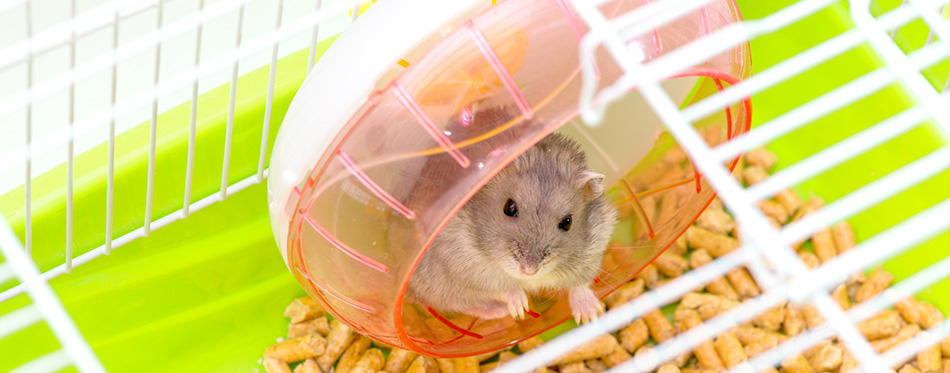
(609, 274)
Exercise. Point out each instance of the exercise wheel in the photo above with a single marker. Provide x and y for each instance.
(467, 86)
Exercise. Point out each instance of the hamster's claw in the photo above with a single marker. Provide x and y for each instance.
(585, 306)
(517, 302)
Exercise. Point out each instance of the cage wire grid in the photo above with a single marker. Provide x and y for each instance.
(789, 281)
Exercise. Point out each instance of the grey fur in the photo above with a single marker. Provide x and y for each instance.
(476, 257)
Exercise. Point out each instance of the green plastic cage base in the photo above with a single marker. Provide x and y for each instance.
(207, 293)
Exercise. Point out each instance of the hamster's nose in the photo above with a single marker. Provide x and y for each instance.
(529, 270)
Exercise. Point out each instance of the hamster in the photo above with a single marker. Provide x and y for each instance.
(542, 223)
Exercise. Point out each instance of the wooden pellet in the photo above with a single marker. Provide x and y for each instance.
(706, 351)
(303, 309)
(716, 244)
(596, 365)
(754, 174)
(486, 356)
(848, 362)
(946, 365)
(877, 281)
(297, 349)
(945, 347)
(774, 210)
(903, 334)
(318, 325)
(679, 246)
(760, 157)
(370, 361)
(854, 282)
(445, 365)
(618, 356)
(771, 319)
(908, 309)
(883, 325)
(506, 356)
(272, 365)
(649, 275)
(716, 221)
(750, 334)
(810, 259)
(718, 285)
(308, 366)
(352, 354)
(465, 365)
(811, 205)
(824, 244)
(840, 295)
(730, 350)
(708, 305)
(400, 359)
(660, 327)
(826, 357)
(575, 367)
(813, 318)
(530, 344)
(907, 368)
(743, 283)
(844, 236)
(602, 346)
(425, 364)
(930, 316)
(796, 364)
(625, 293)
(670, 264)
(667, 206)
(675, 155)
(790, 200)
(737, 172)
(668, 368)
(634, 335)
(756, 348)
(928, 360)
(337, 341)
(792, 325)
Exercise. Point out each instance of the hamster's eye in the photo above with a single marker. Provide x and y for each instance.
(511, 209)
(565, 224)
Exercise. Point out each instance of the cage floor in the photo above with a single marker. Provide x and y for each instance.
(206, 293)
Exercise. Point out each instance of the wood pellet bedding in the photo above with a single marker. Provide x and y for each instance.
(317, 344)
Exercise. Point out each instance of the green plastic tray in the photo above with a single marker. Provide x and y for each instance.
(206, 293)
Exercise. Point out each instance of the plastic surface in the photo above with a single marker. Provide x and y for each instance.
(206, 294)
(481, 92)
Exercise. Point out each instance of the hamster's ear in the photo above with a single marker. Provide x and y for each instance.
(590, 184)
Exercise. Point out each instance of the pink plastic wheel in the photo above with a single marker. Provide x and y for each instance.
(355, 218)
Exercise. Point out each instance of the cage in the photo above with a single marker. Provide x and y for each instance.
(851, 95)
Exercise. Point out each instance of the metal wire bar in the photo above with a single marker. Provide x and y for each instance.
(131, 236)
(193, 128)
(313, 41)
(52, 362)
(913, 284)
(153, 130)
(110, 178)
(869, 195)
(46, 301)
(899, 63)
(166, 86)
(69, 146)
(28, 183)
(265, 133)
(58, 35)
(840, 152)
(18, 319)
(232, 100)
(791, 67)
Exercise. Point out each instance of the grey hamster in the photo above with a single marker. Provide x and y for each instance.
(542, 223)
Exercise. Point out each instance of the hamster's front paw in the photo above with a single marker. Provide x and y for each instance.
(584, 304)
(517, 302)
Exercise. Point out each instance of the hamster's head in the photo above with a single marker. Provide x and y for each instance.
(544, 213)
